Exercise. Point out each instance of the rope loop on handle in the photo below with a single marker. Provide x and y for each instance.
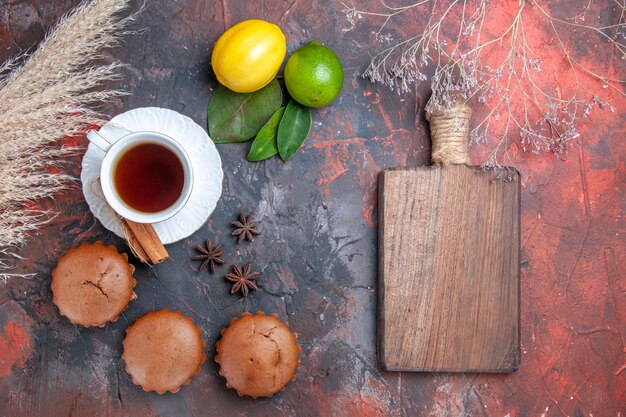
(449, 132)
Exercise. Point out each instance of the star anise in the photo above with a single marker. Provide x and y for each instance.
(245, 228)
(243, 280)
(210, 255)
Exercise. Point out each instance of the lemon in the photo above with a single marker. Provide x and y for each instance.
(248, 55)
(313, 75)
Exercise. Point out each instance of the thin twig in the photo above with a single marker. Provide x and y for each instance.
(495, 67)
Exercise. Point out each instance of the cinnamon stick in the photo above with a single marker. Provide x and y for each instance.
(144, 241)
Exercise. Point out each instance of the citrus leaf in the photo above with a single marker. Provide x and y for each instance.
(293, 129)
(237, 117)
(264, 145)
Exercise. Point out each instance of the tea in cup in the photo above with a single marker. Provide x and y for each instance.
(146, 177)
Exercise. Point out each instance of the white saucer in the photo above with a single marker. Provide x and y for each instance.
(205, 160)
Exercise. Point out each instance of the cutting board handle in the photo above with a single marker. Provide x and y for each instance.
(449, 132)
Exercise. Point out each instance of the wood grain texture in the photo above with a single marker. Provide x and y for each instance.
(317, 252)
(449, 269)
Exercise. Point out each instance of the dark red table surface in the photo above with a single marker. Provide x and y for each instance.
(318, 248)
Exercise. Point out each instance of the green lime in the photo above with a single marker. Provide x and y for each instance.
(313, 75)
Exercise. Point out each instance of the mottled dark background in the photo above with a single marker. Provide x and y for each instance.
(318, 247)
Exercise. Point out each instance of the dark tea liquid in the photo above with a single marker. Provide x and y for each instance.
(149, 178)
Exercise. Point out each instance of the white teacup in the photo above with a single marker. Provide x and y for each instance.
(114, 150)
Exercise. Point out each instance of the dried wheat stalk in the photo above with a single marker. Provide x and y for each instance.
(51, 96)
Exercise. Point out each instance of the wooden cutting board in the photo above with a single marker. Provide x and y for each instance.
(449, 268)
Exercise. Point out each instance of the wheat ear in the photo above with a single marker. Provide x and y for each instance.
(52, 95)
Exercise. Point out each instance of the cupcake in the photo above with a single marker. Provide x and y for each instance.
(257, 354)
(93, 284)
(163, 350)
